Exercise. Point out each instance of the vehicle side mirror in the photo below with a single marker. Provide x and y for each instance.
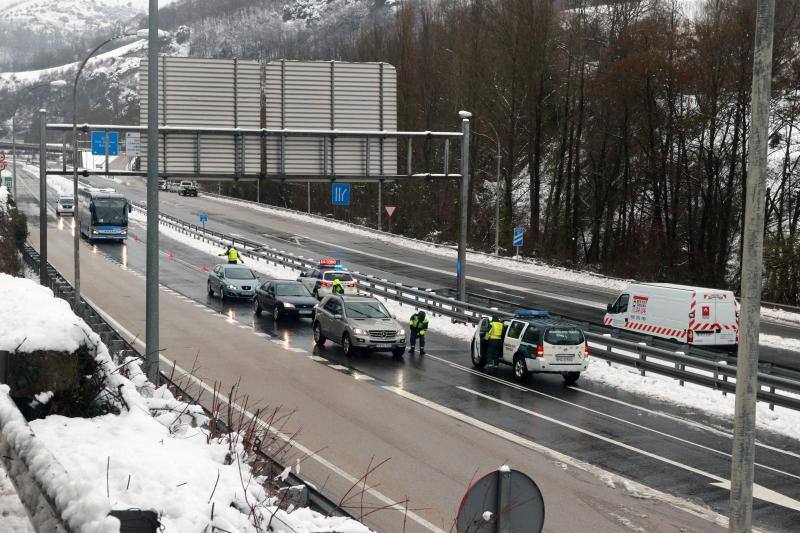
(337, 317)
(302, 275)
(610, 308)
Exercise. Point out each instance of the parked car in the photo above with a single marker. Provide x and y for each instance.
(284, 298)
(358, 323)
(532, 343)
(163, 184)
(65, 205)
(187, 188)
(232, 281)
(319, 280)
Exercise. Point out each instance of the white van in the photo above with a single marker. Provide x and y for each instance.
(694, 315)
(64, 205)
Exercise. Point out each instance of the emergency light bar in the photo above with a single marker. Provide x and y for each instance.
(328, 262)
(531, 313)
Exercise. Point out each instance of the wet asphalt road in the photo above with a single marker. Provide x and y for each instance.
(681, 451)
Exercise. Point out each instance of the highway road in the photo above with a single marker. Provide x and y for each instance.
(606, 460)
(407, 265)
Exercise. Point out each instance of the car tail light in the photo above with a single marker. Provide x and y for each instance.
(586, 349)
(540, 351)
(352, 285)
(690, 336)
(326, 283)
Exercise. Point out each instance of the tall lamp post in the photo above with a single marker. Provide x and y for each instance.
(498, 159)
(53, 85)
(76, 237)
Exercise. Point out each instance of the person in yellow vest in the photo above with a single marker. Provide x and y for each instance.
(418, 325)
(494, 342)
(232, 255)
(337, 287)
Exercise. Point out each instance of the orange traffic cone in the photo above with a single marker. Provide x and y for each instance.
(171, 256)
(203, 268)
(136, 238)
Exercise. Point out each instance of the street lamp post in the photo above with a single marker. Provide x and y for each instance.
(76, 237)
(52, 84)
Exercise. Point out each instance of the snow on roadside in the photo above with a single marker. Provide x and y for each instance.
(780, 315)
(3, 199)
(12, 512)
(156, 454)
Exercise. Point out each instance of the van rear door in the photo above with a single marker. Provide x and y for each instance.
(726, 319)
(563, 345)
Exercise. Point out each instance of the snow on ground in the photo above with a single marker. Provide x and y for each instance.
(12, 513)
(156, 454)
(616, 376)
(780, 315)
(3, 199)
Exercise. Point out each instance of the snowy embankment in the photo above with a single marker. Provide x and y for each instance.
(619, 377)
(156, 454)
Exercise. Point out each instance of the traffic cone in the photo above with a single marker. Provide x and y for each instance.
(203, 268)
(136, 237)
(171, 256)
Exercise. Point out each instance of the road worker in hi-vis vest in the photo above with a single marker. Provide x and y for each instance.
(232, 255)
(494, 342)
(418, 324)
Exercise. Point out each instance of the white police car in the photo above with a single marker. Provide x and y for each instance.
(319, 279)
(534, 343)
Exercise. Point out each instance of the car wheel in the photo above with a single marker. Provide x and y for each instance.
(276, 313)
(520, 369)
(257, 306)
(478, 360)
(221, 293)
(347, 346)
(398, 352)
(319, 338)
(571, 377)
(316, 294)
(210, 289)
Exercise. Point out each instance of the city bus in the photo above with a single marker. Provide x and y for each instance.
(103, 214)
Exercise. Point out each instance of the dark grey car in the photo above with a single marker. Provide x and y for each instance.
(358, 323)
(284, 298)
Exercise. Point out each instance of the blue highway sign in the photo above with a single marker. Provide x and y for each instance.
(203, 218)
(518, 236)
(99, 143)
(340, 195)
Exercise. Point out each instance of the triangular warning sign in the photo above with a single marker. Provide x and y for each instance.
(390, 209)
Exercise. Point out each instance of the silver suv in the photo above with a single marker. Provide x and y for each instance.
(358, 323)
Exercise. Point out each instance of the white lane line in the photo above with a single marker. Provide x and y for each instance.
(318, 359)
(633, 486)
(240, 326)
(309, 453)
(673, 418)
(362, 377)
(759, 491)
(339, 367)
(260, 334)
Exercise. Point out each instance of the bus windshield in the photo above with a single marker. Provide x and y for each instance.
(110, 212)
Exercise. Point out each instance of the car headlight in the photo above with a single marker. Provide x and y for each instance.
(359, 331)
(287, 305)
(94, 232)
(124, 232)
(232, 287)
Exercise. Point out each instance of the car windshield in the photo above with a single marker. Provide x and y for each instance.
(110, 211)
(291, 289)
(563, 336)
(341, 276)
(239, 273)
(372, 309)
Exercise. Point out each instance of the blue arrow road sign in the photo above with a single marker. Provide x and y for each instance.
(518, 236)
(340, 194)
(203, 218)
(99, 143)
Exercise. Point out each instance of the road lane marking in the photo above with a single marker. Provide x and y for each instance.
(309, 453)
(673, 418)
(633, 486)
(759, 491)
(339, 367)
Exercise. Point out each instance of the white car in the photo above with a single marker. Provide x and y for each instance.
(64, 205)
(532, 343)
(319, 280)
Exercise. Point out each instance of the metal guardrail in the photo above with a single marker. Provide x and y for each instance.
(708, 370)
(120, 349)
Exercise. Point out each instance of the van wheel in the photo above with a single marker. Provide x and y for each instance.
(319, 338)
(521, 372)
(571, 377)
(478, 360)
(347, 346)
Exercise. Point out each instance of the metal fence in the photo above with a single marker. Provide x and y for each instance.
(778, 387)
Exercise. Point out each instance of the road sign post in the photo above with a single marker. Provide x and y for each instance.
(518, 234)
(503, 501)
(340, 194)
(390, 209)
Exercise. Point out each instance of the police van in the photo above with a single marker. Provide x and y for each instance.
(693, 315)
(535, 343)
(319, 279)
